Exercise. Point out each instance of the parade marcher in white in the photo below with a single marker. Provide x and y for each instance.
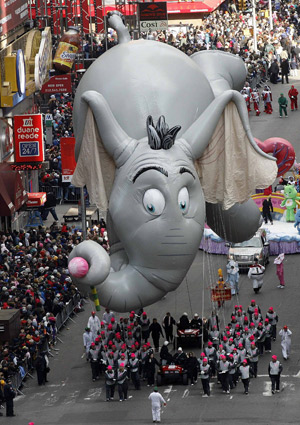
(87, 340)
(256, 274)
(94, 325)
(285, 334)
(247, 98)
(267, 98)
(156, 401)
(255, 101)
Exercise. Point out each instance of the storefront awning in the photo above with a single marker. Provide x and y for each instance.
(11, 189)
(176, 7)
(36, 199)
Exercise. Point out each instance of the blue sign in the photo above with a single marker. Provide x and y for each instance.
(29, 149)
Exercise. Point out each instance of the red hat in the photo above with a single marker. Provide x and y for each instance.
(274, 357)
(228, 333)
(235, 349)
(148, 344)
(245, 361)
(239, 311)
(260, 324)
(113, 346)
(224, 338)
(136, 344)
(202, 354)
(237, 325)
(93, 312)
(233, 318)
(110, 343)
(209, 343)
(131, 316)
(122, 355)
(251, 338)
(231, 339)
(223, 357)
(93, 344)
(204, 360)
(129, 333)
(122, 365)
(112, 320)
(132, 312)
(256, 310)
(220, 346)
(109, 327)
(144, 314)
(236, 306)
(238, 333)
(240, 345)
(109, 367)
(230, 356)
(102, 323)
(245, 319)
(111, 353)
(132, 355)
(271, 308)
(252, 324)
(133, 346)
(123, 345)
(266, 320)
(246, 329)
(252, 301)
(285, 327)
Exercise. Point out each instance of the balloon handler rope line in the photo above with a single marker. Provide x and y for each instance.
(95, 298)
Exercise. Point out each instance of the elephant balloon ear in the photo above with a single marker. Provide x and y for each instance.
(95, 169)
(231, 166)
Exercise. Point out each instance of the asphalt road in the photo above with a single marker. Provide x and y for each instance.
(71, 398)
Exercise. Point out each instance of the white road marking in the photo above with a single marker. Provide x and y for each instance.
(168, 399)
(231, 397)
(93, 393)
(70, 399)
(51, 400)
(130, 396)
(288, 385)
(83, 355)
(297, 375)
(268, 389)
(169, 390)
(185, 393)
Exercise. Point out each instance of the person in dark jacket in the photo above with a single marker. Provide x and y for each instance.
(192, 368)
(49, 206)
(165, 356)
(285, 69)
(274, 71)
(151, 362)
(168, 323)
(267, 209)
(184, 322)
(9, 395)
(156, 330)
(40, 366)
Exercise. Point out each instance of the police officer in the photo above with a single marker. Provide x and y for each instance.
(274, 370)
(205, 377)
(110, 383)
(9, 395)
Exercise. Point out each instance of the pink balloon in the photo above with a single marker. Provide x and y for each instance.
(78, 267)
(282, 150)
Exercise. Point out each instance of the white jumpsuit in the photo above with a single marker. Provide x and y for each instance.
(285, 342)
(156, 401)
(94, 325)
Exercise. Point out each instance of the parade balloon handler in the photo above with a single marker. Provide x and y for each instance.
(279, 270)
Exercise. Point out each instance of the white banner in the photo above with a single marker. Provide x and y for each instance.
(145, 26)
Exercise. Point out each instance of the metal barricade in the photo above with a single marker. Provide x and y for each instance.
(56, 190)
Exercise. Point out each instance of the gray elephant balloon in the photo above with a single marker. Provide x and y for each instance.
(162, 140)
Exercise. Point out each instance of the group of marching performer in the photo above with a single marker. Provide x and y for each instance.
(252, 97)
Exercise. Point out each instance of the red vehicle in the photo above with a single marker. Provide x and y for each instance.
(188, 337)
(172, 373)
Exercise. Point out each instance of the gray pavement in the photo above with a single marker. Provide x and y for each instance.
(71, 398)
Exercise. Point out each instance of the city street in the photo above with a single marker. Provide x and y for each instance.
(71, 398)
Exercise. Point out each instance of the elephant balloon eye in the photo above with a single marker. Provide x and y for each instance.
(154, 201)
(184, 200)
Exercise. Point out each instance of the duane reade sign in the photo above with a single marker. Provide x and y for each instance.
(153, 16)
(28, 135)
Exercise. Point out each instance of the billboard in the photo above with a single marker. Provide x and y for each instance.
(28, 132)
(58, 84)
(153, 16)
(68, 163)
(12, 14)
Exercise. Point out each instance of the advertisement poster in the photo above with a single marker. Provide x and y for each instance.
(68, 163)
(29, 140)
(12, 14)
